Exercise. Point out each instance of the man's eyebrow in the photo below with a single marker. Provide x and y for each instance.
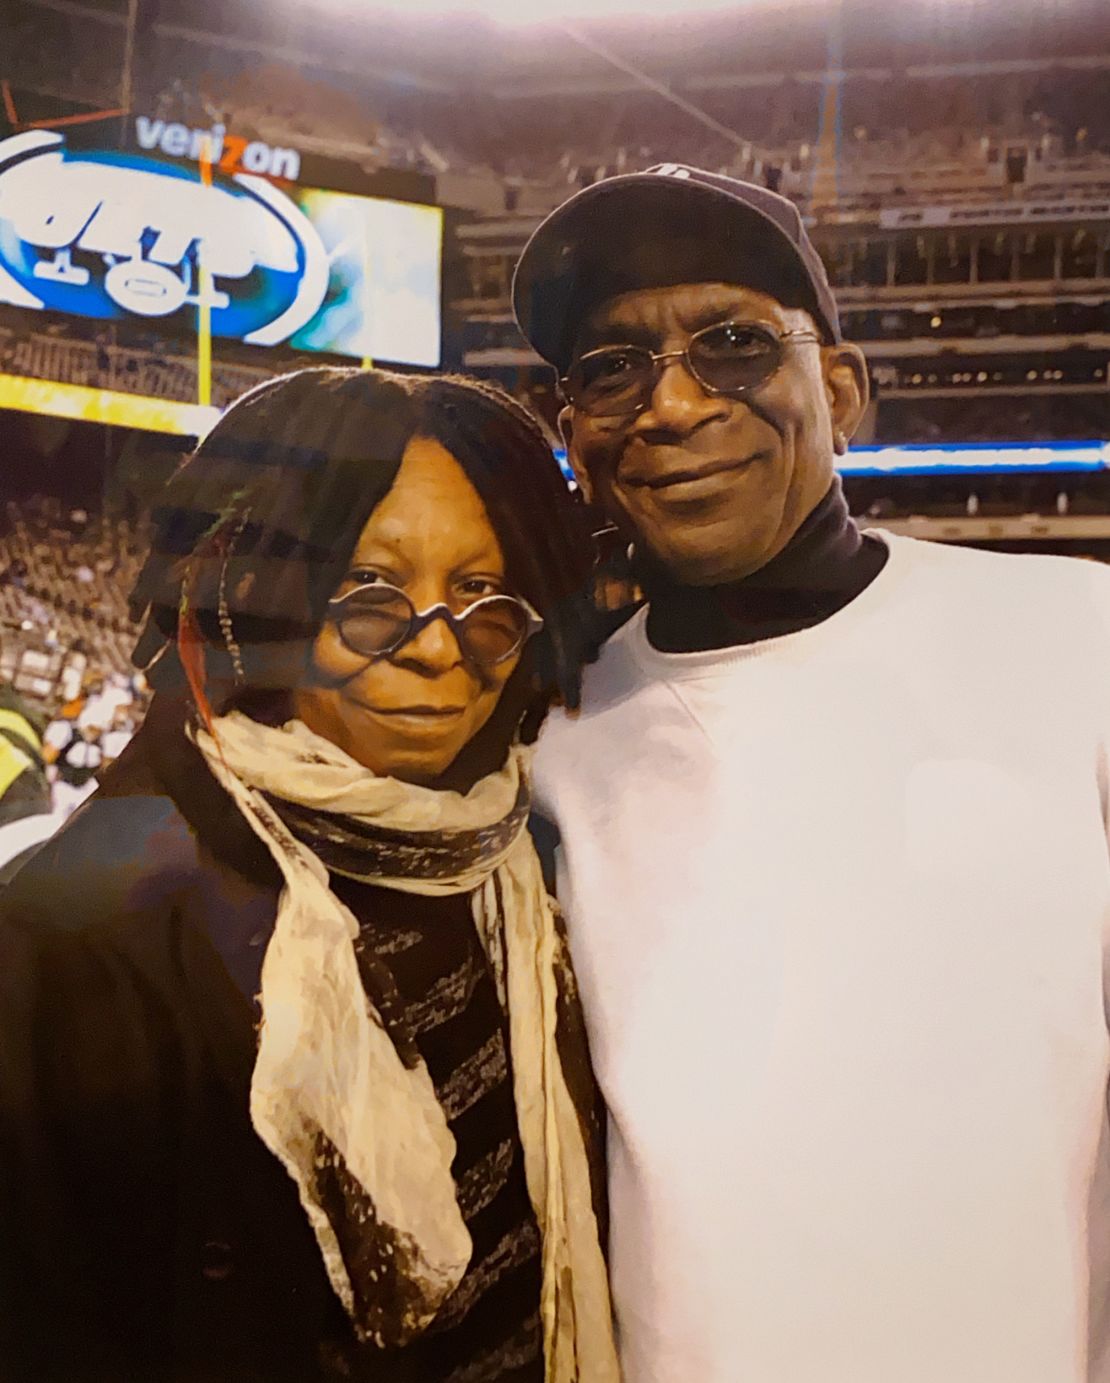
(614, 334)
(596, 335)
(716, 313)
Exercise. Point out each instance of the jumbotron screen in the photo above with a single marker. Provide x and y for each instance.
(122, 235)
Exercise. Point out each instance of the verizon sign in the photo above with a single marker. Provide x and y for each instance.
(229, 153)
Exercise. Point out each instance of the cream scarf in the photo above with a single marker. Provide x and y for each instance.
(360, 1131)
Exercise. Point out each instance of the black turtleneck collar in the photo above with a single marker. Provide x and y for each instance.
(826, 564)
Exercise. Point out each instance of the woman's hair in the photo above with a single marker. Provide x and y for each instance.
(259, 524)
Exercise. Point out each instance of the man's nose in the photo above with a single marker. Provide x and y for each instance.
(679, 404)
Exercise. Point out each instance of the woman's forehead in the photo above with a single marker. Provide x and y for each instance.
(432, 511)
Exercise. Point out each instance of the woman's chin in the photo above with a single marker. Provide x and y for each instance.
(417, 762)
(416, 747)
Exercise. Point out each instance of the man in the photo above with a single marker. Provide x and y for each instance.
(834, 846)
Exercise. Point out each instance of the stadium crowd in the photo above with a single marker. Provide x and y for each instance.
(66, 637)
(84, 353)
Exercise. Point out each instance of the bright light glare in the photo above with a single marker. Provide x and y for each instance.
(520, 12)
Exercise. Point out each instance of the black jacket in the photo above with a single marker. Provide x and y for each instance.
(146, 1232)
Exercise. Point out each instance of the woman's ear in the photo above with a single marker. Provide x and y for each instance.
(566, 432)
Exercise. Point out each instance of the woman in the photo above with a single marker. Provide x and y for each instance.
(293, 1084)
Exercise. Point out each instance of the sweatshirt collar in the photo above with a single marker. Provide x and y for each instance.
(824, 567)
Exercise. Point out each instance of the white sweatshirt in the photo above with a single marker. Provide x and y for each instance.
(839, 904)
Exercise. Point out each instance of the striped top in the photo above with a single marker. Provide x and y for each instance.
(433, 987)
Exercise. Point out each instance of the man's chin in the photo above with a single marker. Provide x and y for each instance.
(694, 565)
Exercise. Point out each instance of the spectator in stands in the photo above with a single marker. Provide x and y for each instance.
(105, 699)
(325, 842)
(115, 740)
(14, 574)
(24, 790)
(73, 755)
(25, 797)
(77, 765)
(834, 822)
(62, 731)
(92, 711)
(73, 673)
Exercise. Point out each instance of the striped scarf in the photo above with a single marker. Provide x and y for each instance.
(355, 1122)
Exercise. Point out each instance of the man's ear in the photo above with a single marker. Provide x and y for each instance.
(566, 431)
(848, 388)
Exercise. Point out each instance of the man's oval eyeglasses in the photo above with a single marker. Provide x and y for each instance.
(730, 358)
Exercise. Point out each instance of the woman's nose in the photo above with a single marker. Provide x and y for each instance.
(435, 647)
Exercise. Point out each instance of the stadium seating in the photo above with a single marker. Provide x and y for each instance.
(56, 355)
(64, 581)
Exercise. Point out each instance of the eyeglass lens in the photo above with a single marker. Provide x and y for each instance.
(379, 619)
(729, 359)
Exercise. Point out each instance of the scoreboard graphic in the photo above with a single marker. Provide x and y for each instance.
(120, 235)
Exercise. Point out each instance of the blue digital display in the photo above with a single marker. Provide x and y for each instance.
(976, 458)
(962, 458)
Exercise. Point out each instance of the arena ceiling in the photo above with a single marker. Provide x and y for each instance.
(691, 51)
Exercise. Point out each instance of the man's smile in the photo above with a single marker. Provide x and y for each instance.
(666, 477)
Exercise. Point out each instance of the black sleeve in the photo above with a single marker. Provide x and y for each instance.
(86, 1147)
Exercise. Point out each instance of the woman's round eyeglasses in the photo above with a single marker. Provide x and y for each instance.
(730, 358)
(377, 619)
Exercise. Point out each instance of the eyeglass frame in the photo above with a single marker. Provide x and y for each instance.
(657, 357)
(421, 619)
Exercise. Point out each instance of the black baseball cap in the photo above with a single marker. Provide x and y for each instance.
(670, 224)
